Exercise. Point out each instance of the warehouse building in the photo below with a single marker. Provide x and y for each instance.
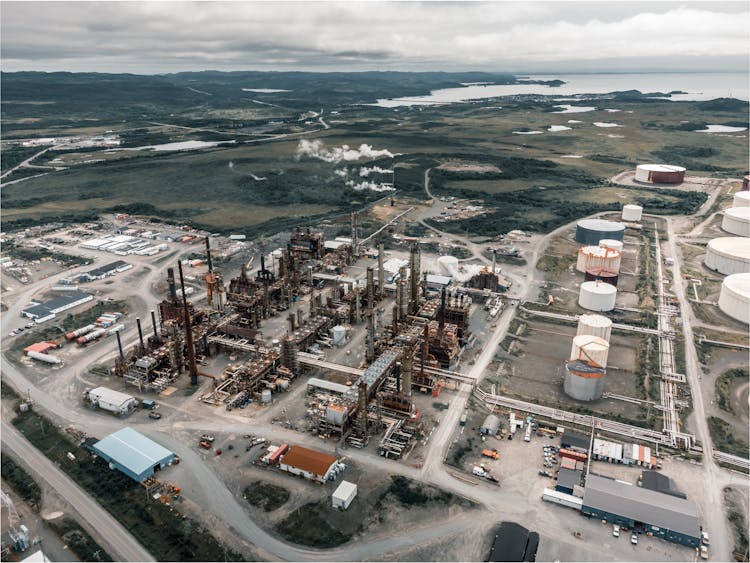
(308, 463)
(44, 311)
(132, 453)
(575, 441)
(568, 480)
(491, 425)
(655, 481)
(106, 270)
(513, 542)
(666, 516)
(111, 400)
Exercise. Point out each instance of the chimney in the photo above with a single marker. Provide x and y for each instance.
(119, 346)
(208, 256)
(193, 368)
(172, 288)
(140, 334)
(153, 322)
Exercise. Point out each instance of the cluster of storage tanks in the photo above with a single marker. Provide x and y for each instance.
(100, 328)
(587, 366)
(737, 218)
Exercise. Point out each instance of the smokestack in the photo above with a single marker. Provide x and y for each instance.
(414, 279)
(140, 333)
(299, 317)
(208, 256)
(153, 322)
(425, 349)
(442, 312)
(119, 346)
(193, 368)
(381, 271)
(262, 263)
(493, 261)
(172, 288)
(406, 372)
(292, 322)
(370, 287)
(397, 373)
(370, 352)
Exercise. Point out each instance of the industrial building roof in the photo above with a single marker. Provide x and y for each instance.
(656, 481)
(327, 385)
(41, 347)
(491, 423)
(308, 460)
(132, 450)
(344, 490)
(575, 440)
(642, 505)
(52, 305)
(610, 450)
(442, 280)
(110, 396)
(568, 478)
(103, 270)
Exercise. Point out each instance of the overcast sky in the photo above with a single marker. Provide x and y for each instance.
(157, 37)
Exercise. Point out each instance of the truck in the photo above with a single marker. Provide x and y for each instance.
(479, 471)
(527, 436)
(491, 454)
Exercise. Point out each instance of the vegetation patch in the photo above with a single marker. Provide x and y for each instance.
(78, 540)
(265, 495)
(724, 439)
(22, 482)
(409, 493)
(309, 526)
(724, 385)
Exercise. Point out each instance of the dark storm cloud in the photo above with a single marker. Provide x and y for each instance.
(169, 37)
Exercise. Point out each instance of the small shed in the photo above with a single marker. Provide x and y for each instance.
(344, 495)
(491, 425)
(111, 400)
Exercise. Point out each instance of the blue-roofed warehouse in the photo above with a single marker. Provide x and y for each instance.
(132, 453)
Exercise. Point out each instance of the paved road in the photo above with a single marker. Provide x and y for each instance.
(25, 162)
(119, 541)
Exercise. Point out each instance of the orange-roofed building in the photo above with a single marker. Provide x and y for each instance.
(311, 464)
(40, 347)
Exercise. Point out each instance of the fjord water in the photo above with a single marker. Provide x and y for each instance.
(699, 86)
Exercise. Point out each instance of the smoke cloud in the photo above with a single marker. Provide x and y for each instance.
(364, 171)
(367, 185)
(316, 149)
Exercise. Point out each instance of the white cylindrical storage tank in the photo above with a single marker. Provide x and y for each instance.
(589, 348)
(594, 325)
(448, 265)
(597, 296)
(741, 199)
(737, 221)
(659, 173)
(734, 298)
(44, 358)
(339, 335)
(265, 396)
(631, 212)
(598, 257)
(728, 255)
(583, 381)
(613, 244)
(591, 231)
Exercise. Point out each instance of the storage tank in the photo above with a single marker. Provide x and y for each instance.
(734, 298)
(591, 257)
(610, 243)
(728, 255)
(594, 325)
(79, 332)
(631, 212)
(597, 296)
(91, 336)
(339, 335)
(583, 381)
(746, 183)
(601, 274)
(741, 199)
(589, 348)
(737, 221)
(659, 174)
(265, 396)
(44, 358)
(591, 231)
(448, 265)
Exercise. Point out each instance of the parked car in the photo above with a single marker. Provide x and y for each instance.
(704, 552)
(154, 415)
(30, 325)
(208, 438)
(205, 445)
(616, 531)
(704, 538)
(634, 539)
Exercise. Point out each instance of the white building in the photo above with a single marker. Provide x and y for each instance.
(111, 400)
(344, 495)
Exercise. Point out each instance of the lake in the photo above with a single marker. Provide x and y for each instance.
(699, 86)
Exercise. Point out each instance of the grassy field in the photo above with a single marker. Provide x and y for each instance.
(266, 495)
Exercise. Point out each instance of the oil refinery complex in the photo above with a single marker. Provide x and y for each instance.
(344, 359)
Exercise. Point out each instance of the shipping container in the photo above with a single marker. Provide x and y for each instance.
(577, 456)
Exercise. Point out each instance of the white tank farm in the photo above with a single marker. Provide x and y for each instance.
(737, 221)
(591, 231)
(598, 257)
(589, 348)
(728, 255)
(741, 199)
(448, 265)
(597, 296)
(734, 298)
(594, 325)
(583, 381)
(659, 173)
(611, 243)
(631, 212)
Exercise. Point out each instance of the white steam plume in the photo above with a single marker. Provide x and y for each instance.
(364, 171)
(316, 149)
(367, 185)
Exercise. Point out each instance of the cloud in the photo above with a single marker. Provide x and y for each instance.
(364, 171)
(151, 37)
(316, 149)
(372, 186)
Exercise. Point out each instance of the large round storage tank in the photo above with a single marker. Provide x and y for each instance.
(591, 231)
(592, 349)
(339, 335)
(594, 325)
(593, 257)
(583, 381)
(613, 244)
(737, 221)
(734, 298)
(597, 296)
(659, 174)
(448, 265)
(741, 199)
(601, 274)
(728, 255)
(746, 183)
(632, 212)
